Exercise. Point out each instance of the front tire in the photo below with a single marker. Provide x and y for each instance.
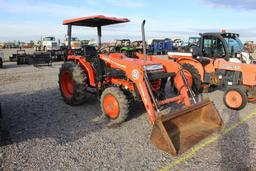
(235, 98)
(72, 83)
(114, 105)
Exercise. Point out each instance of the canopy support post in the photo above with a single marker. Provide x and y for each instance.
(69, 35)
(99, 36)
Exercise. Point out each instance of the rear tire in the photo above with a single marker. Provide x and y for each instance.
(114, 105)
(235, 98)
(196, 85)
(72, 83)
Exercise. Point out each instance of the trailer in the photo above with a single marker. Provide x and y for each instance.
(23, 58)
(42, 58)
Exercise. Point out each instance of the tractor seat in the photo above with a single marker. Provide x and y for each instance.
(90, 51)
(203, 60)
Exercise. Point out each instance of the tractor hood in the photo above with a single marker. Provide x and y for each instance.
(122, 61)
(139, 62)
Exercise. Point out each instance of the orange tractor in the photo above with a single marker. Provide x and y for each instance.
(119, 80)
(214, 64)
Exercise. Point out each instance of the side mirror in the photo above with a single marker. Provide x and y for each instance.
(195, 50)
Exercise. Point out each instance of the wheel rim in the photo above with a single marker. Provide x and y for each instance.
(111, 106)
(234, 99)
(67, 84)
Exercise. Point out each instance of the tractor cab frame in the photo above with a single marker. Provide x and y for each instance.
(219, 45)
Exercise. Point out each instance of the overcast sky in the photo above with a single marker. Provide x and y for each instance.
(31, 19)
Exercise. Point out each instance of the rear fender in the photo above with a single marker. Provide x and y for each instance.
(87, 68)
(177, 56)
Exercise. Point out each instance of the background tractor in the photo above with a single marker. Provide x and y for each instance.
(218, 63)
(220, 45)
(190, 43)
(123, 46)
(138, 45)
(119, 80)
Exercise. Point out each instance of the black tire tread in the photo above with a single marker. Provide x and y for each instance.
(79, 81)
(196, 87)
(122, 101)
(241, 91)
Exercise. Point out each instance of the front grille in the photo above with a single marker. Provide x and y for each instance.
(155, 85)
(54, 44)
(155, 78)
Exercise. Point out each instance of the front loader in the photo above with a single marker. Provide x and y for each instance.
(119, 80)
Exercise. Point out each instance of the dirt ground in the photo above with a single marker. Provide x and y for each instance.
(41, 132)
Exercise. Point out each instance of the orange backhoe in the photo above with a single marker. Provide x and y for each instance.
(119, 80)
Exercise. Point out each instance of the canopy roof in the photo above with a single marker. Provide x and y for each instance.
(95, 21)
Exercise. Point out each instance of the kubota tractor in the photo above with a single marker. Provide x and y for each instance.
(119, 80)
(221, 45)
(217, 64)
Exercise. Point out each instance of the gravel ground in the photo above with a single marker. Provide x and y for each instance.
(41, 132)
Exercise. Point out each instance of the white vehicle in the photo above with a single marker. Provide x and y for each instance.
(92, 42)
(75, 43)
(1, 59)
(48, 43)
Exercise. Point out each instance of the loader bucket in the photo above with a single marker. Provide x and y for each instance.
(178, 131)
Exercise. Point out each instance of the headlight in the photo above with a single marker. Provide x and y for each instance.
(153, 67)
(135, 74)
